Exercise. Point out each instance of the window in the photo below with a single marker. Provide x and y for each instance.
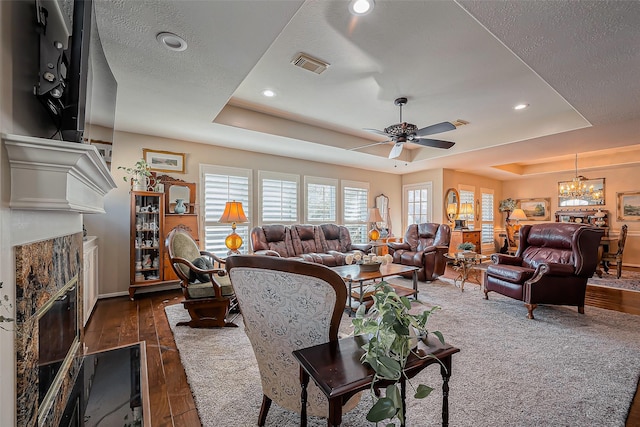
(467, 196)
(320, 194)
(278, 198)
(355, 203)
(221, 184)
(486, 218)
(417, 203)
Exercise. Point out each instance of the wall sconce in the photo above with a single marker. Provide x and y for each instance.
(232, 214)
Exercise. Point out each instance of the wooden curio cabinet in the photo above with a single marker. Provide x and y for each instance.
(147, 240)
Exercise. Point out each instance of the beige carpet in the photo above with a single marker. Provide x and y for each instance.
(562, 369)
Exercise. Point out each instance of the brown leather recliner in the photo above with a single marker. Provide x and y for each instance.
(552, 265)
(272, 240)
(424, 246)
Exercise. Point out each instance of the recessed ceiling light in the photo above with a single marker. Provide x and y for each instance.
(171, 41)
(268, 93)
(520, 106)
(361, 7)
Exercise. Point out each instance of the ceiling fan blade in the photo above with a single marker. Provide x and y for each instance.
(368, 145)
(379, 132)
(396, 150)
(437, 143)
(437, 128)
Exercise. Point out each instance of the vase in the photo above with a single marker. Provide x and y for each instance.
(180, 207)
(141, 183)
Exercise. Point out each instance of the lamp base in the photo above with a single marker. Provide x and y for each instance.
(233, 242)
(374, 234)
(461, 224)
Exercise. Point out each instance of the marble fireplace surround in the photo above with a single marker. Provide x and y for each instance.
(49, 176)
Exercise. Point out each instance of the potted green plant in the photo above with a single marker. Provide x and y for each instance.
(138, 175)
(393, 335)
(466, 247)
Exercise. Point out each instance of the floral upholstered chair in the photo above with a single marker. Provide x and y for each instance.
(287, 305)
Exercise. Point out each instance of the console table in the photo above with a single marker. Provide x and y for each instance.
(336, 368)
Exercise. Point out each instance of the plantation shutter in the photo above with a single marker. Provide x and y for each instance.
(355, 199)
(279, 201)
(486, 218)
(321, 200)
(220, 185)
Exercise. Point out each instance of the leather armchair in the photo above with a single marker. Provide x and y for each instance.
(424, 246)
(552, 266)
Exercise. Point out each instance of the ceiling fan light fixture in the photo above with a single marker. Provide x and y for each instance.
(361, 7)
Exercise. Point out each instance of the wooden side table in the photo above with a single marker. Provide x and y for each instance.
(336, 369)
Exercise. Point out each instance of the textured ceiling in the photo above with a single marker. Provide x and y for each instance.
(572, 61)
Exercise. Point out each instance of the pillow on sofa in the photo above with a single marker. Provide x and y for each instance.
(203, 264)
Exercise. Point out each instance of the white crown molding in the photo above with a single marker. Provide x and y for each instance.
(56, 175)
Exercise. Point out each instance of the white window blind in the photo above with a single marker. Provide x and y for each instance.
(221, 184)
(486, 217)
(279, 198)
(355, 203)
(417, 203)
(467, 196)
(320, 200)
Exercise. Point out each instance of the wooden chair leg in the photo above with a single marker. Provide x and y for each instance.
(530, 308)
(264, 410)
(618, 269)
(581, 309)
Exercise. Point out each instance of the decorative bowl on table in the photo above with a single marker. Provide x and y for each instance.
(370, 266)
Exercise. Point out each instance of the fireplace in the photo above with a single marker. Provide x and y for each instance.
(48, 316)
(58, 333)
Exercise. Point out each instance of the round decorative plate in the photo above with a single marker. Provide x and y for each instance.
(578, 220)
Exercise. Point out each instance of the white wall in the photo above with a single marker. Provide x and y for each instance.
(112, 228)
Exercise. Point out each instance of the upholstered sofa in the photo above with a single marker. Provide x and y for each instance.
(424, 246)
(326, 244)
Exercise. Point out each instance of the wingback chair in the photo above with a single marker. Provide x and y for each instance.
(424, 246)
(207, 290)
(552, 265)
(287, 305)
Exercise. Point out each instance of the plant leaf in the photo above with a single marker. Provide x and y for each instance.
(422, 391)
(383, 409)
(439, 335)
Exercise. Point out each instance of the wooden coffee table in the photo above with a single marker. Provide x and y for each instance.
(336, 368)
(351, 274)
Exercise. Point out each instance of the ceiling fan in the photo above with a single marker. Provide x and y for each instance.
(403, 132)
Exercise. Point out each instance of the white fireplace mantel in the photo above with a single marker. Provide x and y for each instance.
(56, 175)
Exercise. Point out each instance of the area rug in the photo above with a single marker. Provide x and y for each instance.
(629, 280)
(561, 369)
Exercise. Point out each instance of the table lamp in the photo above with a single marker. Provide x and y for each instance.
(232, 214)
(374, 217)
(452, 211)
(518, 215)
(465, 210)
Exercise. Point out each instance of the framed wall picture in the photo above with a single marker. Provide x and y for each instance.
(536, 209)
(164, 161)
(593, 194)
(104, 149)
(628, 207)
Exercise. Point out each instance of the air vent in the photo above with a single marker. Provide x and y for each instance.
(309, 63)
(459, 123)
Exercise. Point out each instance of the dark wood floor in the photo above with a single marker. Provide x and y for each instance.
(119, 321)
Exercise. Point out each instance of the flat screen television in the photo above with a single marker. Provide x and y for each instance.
(64, 29)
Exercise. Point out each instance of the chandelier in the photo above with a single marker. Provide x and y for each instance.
(578, 189)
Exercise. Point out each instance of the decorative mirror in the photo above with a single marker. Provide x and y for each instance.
(179, 192)
(382, 203)
(451, 204)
